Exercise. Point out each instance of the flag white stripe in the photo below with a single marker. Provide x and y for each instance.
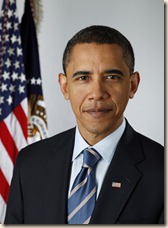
(16, 131)
(24, 105)
(2, 209)
(6, 164)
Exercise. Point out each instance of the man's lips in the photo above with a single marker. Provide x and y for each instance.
(98, 112)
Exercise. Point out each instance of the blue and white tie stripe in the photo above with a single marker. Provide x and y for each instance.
(82, 197)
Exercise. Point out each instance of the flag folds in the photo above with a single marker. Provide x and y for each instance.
(22, 108)
(13, 98)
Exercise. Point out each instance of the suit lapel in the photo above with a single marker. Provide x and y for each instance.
(121, 170)
(57, 175)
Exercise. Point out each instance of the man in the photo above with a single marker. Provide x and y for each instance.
(102, 171)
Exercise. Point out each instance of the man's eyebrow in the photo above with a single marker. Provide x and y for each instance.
(114, 71)
(79, 73)
(83, 72)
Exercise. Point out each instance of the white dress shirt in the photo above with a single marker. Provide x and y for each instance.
(106, 148)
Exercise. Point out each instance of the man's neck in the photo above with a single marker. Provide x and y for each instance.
(94, 137)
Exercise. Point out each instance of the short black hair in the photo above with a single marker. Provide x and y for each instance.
(100, 34)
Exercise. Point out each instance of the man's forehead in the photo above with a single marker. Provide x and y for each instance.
(87, 48)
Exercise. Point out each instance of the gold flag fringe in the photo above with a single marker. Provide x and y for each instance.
(37, 11)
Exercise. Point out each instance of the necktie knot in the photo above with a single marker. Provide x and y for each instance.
(90, 157)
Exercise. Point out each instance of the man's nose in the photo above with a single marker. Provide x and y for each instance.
(98, 91)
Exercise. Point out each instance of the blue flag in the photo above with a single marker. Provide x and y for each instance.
(37, 128)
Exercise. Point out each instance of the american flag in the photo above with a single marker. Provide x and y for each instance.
(13, 98)
(116, 184)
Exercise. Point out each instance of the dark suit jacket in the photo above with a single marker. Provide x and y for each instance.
(40, 183)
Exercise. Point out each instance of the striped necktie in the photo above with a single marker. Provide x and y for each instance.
(82, 197)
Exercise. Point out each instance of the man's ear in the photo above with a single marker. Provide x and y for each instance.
(62, 79)
(134, 80)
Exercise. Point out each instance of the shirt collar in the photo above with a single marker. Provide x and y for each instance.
(106, 147)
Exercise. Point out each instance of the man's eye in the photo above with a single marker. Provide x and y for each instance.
(112, 77)
(83, 78)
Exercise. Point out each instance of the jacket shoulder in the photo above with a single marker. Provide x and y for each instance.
(141, 146)
(150, 144)
(145, 141)
(46, 145)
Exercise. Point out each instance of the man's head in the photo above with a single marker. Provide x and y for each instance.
(98, 80)
(100, 35)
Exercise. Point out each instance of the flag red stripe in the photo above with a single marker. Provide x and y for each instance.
(8, 142)
(22, 119)
(4, 187)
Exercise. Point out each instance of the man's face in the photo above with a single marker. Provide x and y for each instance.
(99, 85)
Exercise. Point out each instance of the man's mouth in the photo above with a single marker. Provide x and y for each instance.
(98, 112)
